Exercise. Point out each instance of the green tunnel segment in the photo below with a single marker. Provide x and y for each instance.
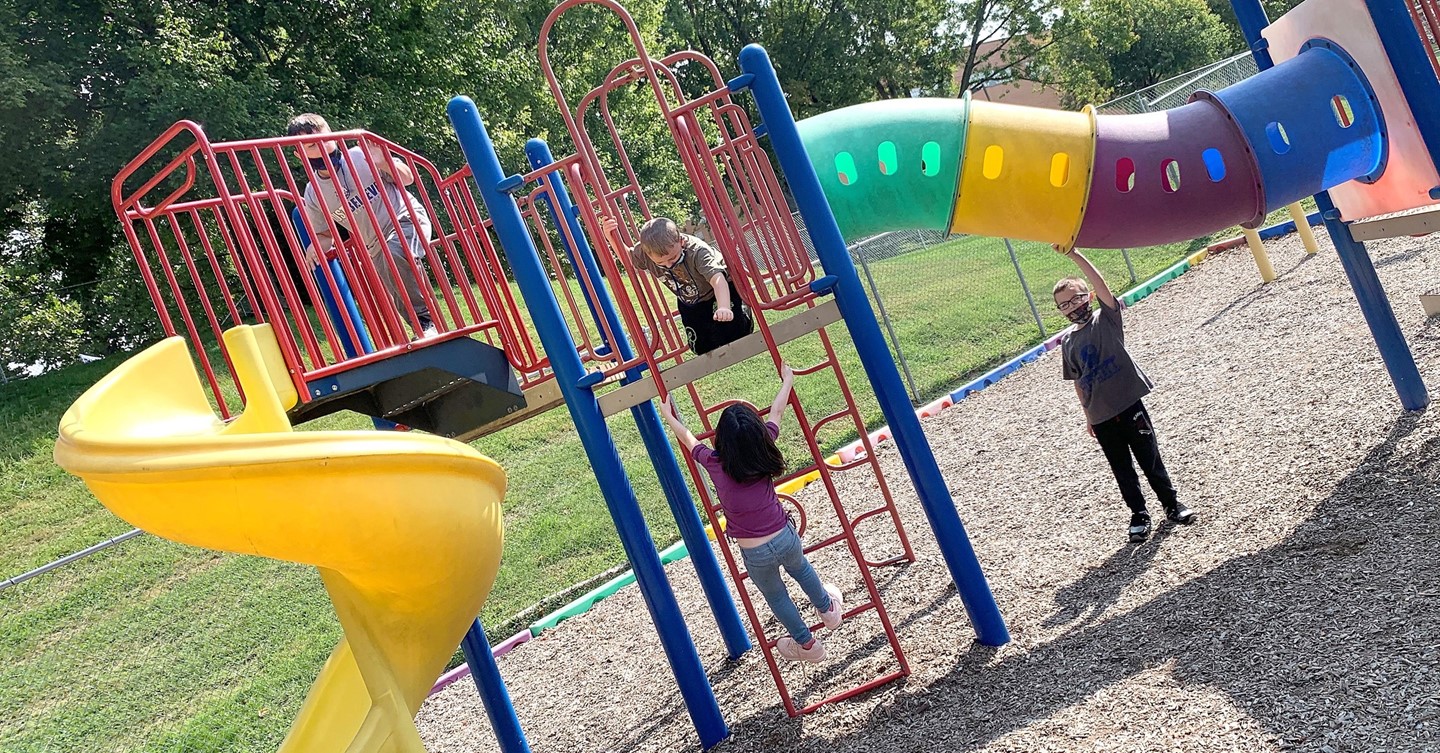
(903, 156)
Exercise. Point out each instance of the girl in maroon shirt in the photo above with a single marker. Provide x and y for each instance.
(743, 467)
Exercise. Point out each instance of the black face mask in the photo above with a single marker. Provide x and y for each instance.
(321, 164)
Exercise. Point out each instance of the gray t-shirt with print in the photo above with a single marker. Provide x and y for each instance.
(1095, 359)
(363, 183)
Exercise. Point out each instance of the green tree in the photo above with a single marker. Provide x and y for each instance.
(833, 53)
(86, 84)
(1001, 38)
(1103, 48)
(1226, 12)
(39, 326)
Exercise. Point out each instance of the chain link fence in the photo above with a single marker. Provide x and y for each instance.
(1176, 90)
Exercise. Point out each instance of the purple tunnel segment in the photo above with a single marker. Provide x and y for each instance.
(1313, 122)
(1170, 175)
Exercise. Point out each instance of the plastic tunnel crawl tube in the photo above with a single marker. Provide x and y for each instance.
(1102, 181)
(405, 528)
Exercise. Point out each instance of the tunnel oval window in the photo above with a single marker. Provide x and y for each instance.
(994, 162)
(1170, 176)
(1059, 169)
(930, 159)
(845, 169)
(1124, 174)
(1214, 164)
(1279, 138)
(1340, 108)
(889, 158)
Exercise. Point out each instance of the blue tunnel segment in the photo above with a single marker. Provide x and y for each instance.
(1313, 122)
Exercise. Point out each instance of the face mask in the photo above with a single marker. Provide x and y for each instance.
(1081, 313)
(321, 164)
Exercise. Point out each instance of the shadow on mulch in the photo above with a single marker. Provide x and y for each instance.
(1319, 638)
(1259, 292)
(1313, 628)
(1094, 593)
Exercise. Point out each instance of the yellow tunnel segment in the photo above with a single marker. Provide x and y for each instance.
(404, 528)
(1025, 173)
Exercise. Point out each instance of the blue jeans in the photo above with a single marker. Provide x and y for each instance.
(764, 562)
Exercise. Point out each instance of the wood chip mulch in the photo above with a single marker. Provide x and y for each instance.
(1300, 612)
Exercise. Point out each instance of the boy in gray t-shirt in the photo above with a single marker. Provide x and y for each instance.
(344, 185)
(1110, 386)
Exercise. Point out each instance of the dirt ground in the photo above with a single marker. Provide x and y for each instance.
(1298, 614)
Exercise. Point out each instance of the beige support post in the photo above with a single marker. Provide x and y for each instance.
(1262, 259)
(1302, 226)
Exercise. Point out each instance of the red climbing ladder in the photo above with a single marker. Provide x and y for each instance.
(741, 200)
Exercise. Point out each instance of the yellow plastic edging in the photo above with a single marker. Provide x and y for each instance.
(1014, 158)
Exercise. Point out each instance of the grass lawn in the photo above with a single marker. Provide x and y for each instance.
(153, 646)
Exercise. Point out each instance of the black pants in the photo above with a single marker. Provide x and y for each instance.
(704, 333)
(1131, 432)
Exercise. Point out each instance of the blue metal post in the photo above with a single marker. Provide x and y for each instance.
(874, 355)
(352, 311)
(492, 691)
(652, 432)
(1408, 58)
(578, 389)
(1354, 258)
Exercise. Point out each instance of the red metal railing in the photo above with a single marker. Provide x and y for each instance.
(211, 229)
(742, 201)
(1426, 15)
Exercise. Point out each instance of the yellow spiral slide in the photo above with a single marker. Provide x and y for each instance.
(405, 528)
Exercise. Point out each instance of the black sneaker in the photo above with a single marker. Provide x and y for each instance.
(1139, 527)
(1180, 514)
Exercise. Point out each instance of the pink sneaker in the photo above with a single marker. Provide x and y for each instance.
(833, 616)
(793, 651)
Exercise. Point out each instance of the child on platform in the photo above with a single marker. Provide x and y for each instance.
(709, 304)
(1110, 385)
(743, 467)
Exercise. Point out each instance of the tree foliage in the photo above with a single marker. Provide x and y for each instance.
(1102, 48)
(1001, 39)
(1226, 13)
(86, 84)
(833, 53)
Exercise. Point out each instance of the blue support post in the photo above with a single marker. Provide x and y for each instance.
(332, 307)
(874, 355)
(1354, 258)
(492, 691)
(577, 388)
(1412, 67)
(652, 432)
(351, 313)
